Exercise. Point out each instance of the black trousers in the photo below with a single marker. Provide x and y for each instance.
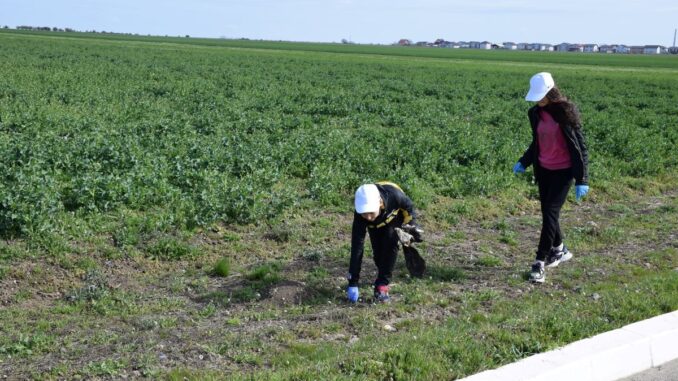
(553, 189)
(385, 250)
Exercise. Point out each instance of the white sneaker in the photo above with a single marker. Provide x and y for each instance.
(537, 273)
(558, 254)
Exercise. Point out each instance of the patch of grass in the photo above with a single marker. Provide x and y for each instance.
(283, 232)
(313, 255)
(172, 249)
(94, 287)
(509, 238)
(444, 273)
(14, 250)
(222, 268)
(489, 261)
(27, 345)
(620, 208)
(108, 367)
(266, 274)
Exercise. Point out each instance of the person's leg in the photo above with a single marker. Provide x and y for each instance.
(385, 257)
(553, 189)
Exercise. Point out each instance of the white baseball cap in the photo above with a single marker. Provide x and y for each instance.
(367, 199)
(540, 84)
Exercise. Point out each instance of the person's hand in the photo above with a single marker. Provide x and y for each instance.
(581, 191)
(518, 168)
(353, 294)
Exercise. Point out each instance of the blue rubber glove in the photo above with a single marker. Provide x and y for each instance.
(518, 168)
(353, 294)
(581, 191)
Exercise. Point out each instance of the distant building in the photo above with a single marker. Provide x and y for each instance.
(422, 43)
(523, 46)
(606, 49)
(591, 48)
(637, 50)
(578, 48)
(623, 49)
(480, 45)
(539, 47)
(404, 42)
(510, 45)
(613, 49)
(652, 49)
(562, 47)
(450, 45)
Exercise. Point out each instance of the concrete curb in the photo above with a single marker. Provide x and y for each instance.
(605, 357)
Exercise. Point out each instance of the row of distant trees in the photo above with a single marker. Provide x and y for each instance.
(42, 28)
(52, 29)
(55, 29)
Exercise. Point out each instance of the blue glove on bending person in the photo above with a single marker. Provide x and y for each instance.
(581, 191)
(353, 294)
(518, 168)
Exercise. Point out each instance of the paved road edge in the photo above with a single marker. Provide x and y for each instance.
(606, 357)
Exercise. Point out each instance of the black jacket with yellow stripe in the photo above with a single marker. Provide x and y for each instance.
(398, 210)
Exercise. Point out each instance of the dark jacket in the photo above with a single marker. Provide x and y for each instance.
(573, 136)
(398, 210)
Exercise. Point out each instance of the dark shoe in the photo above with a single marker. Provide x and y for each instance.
(558, 255)
(537, 274)
(381, 294)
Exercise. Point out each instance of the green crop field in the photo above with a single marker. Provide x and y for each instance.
(177, 207)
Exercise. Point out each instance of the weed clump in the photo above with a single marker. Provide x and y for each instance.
(222, 268)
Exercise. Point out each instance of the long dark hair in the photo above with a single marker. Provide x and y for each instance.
(563, 108)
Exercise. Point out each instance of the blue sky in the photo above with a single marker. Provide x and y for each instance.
(634, 22)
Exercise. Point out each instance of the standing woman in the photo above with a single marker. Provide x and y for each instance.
(558, 153)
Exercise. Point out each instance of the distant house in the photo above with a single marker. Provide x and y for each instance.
(540, 47)
(606, 49)
(523, 46)
(422, 43)
(591, 48)
(464, 44)
(510, 45)
(404, 42)
(439, 42)
(562, 47)
(576, 48)
(621, 49)
(637, 50)
(652, 49)
(449, 44)
(480, 45)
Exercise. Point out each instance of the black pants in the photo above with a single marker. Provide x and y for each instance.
(553, 188)
(385, 250)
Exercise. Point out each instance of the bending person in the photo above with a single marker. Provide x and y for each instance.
(379, 209)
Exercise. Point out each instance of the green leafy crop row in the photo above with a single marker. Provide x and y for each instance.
(88, 126)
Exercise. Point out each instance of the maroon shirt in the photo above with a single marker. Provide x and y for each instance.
(553, 151)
